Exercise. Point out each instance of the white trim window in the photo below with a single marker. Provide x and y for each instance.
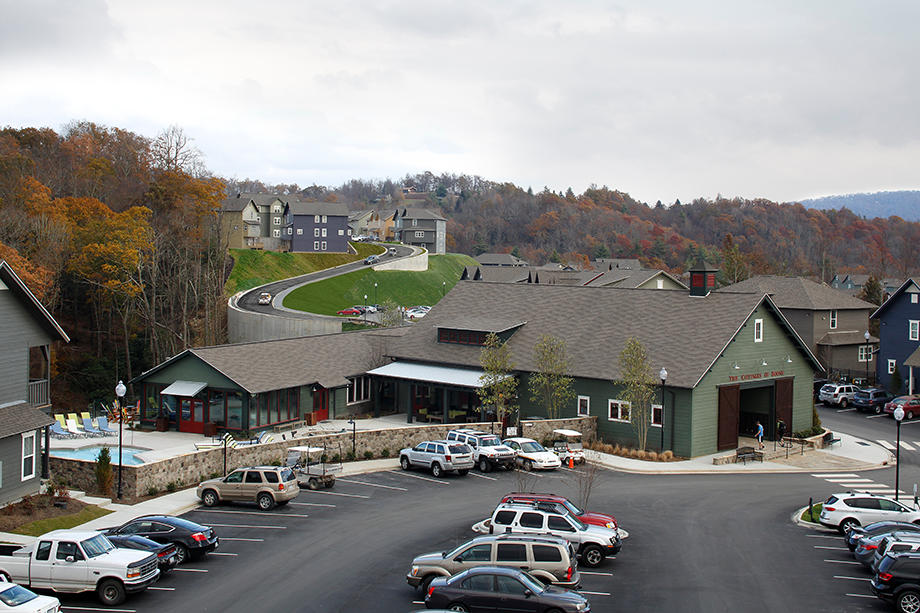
(758, 330)
(913, 329)
(323, 246)
(341, 232)
(290, 231)
(892, 364)
(299, 231)
(414, 222)
(276, 208)
(359, 389)
(913, 298)
(325, 219)
(618, 410)
(659, 284)
(584, 406)
(656, 415)
(315, 232)
(28, 456)
(315, 245)
(865, 353)
(833, 319)
(276, 221)
(323, 233)
(316, 219)
(276, 233)
(419, 234)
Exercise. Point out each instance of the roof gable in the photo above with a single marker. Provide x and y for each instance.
(909, 286)
(798, 293)
(11, 281)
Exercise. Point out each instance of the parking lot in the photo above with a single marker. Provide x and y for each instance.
(697, 543)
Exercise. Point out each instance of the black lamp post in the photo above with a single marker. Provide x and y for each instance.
(868, 356)
(365, 308)
(443, 288)
(120, 393)
(663, 374)
(898, 416)
(353, 428)
(375, 295)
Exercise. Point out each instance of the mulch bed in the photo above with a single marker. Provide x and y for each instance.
(32, 508)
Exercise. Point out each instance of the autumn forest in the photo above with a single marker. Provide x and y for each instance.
(119, 235)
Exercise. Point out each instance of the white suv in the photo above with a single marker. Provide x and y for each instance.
(488, 450)
(839, 394)
(843, 511)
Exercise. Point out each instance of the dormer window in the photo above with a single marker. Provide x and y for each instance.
(833, 320)
(462, 337)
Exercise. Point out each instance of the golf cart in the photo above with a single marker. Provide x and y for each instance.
(567, 444)
(312, 467)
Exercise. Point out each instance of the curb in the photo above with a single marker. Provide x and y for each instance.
(797, 520)
(734, 471)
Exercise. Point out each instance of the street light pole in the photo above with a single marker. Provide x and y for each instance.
(353, 427)
(375, 295)
(120, 393)
(867, 356)
(898, 416)
(663, 374)
(365, 309)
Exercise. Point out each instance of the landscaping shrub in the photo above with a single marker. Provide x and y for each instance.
(384, 453)
(336, 458)
(350, 456)
(653, 456)
(171, 486)
(368, 455)
(152, 491)
(105, 476)
(667, 456)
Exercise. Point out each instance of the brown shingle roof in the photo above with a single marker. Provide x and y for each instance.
(326, 359)
(19, 417)
(798, 293)
(683, 333)
(299, 207)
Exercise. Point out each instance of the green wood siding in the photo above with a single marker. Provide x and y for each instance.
(191, 368)
(774, 348)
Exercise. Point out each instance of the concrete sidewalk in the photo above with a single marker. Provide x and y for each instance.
(851, 454)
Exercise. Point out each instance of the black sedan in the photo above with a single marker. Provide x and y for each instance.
(492, 588)
(191, 540)
(880, 527)
(167, 555)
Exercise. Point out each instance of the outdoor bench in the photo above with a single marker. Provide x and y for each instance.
(829, 439)
(747, 453)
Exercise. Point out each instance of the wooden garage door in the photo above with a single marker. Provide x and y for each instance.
(784, 401)
(729, 412)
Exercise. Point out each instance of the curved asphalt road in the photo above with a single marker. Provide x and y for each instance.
(249, 301)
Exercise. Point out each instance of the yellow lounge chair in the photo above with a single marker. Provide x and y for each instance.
(60, 418)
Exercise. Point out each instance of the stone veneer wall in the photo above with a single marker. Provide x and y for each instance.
(191, 468)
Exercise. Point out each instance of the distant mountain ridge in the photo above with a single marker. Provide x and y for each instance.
(904, 204)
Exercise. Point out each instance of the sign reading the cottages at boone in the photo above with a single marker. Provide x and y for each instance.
(756, 375)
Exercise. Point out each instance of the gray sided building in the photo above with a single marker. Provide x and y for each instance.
(316, 227)
(27, 332)
(424, 228)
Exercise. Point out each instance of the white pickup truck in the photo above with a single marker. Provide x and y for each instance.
(73, 561)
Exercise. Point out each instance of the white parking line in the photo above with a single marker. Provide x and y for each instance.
(333, 494)
(822, 536)
(222, 553)
(825, 475)
(594, 593)
(190, 570)
(852, 578)
(404, 474)
(386, 487)
(845, 410)
(844, 562)
(164, 589)
(418, 602)
(849, 480)
(483, 476)
(261, 513)
(589, 572)
(312, 504)
(862, 596)
(831, 548)
(228, 538)
(875, 416)
(246, 526)
(98, 609)
(886, 445)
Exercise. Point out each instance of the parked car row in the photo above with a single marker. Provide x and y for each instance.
(872, 400)
(526, 567)
(891, 551)
(464, 449)
(113, 562)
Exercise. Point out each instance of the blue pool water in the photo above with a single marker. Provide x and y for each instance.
(90, 453)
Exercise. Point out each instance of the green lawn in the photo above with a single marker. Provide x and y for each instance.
(252, 268)
(405, 288)
(816, 510)
(37, 528)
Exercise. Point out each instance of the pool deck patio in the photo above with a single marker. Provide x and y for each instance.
(169, 444)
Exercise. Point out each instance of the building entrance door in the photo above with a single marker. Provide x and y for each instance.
(192, 415)
(729, 411)
(321, 404)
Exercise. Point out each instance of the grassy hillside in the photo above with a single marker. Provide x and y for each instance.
(252, 268)
(405, 288)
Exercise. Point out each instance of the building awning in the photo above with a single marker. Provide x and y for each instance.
(184, 388)
(444, 375)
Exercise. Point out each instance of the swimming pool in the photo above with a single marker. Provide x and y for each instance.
(90, 453)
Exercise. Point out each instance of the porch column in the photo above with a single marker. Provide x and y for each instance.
(377, 387)
(411, 397)
(445, 405)
(45, 452)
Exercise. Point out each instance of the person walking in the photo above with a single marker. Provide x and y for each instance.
(781, 432)
(758, 434)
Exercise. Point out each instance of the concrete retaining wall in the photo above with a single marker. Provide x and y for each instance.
(193, 467)
(414, 262)
(246, 326)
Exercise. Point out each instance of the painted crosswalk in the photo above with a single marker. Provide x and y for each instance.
(905, 445)
(854, 482)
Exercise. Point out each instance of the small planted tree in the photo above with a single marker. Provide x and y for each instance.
(550, 386)
(105, 476)
(499, 384)
(638, 387)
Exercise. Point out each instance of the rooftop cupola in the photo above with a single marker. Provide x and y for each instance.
(702, 278)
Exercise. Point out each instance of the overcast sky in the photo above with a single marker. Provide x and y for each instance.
(664, 100)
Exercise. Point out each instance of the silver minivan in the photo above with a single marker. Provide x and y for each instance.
(548, 558)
